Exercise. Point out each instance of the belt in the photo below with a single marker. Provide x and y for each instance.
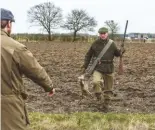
(106, 61)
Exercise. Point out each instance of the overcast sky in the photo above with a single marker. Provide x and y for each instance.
(140, 13)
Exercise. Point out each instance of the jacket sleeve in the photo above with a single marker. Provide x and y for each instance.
(117, 51)
(30, 67)
(88, 57)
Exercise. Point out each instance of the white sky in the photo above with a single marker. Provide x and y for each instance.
(140, 13)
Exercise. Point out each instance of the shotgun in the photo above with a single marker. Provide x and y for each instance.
(120, 71)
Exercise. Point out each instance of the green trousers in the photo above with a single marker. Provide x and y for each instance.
(103, 83)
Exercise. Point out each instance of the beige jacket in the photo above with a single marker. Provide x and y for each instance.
(16, 61)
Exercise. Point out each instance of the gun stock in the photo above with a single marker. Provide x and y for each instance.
(120, 72)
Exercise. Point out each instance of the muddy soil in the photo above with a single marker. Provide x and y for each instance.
(135, 89)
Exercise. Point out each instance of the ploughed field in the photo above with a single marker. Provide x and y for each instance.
(134, 90)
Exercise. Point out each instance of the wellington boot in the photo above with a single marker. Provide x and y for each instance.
(98, 96)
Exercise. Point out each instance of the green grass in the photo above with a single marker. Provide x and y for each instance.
(92, 121)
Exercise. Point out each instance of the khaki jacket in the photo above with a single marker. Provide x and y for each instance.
(105, 66)
(16, 61)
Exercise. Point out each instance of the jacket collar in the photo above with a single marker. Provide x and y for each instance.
(4, 33)
(104, 41)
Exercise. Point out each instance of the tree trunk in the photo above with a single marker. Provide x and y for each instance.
(49, 36)
(74, 36)
(112, 35)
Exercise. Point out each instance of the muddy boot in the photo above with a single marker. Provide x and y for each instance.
(98, 96)
(106, 105)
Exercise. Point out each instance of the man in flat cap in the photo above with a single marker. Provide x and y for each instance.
(16, 61)
(103, 72)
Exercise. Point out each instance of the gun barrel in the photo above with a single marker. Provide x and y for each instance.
(125, 32)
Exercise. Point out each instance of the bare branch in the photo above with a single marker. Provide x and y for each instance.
(45, 15)
(79, 20)
(113, 27)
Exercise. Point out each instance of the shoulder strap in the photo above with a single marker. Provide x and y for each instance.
(104, 50)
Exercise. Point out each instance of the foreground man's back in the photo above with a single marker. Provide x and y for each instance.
(16, 61)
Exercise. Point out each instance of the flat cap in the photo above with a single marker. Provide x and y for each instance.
(103, 30)
(6, 15)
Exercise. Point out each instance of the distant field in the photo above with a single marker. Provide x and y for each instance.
(135, 89)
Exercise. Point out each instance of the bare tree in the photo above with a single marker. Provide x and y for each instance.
(46, 15)
(113, 27)
(79, 20)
